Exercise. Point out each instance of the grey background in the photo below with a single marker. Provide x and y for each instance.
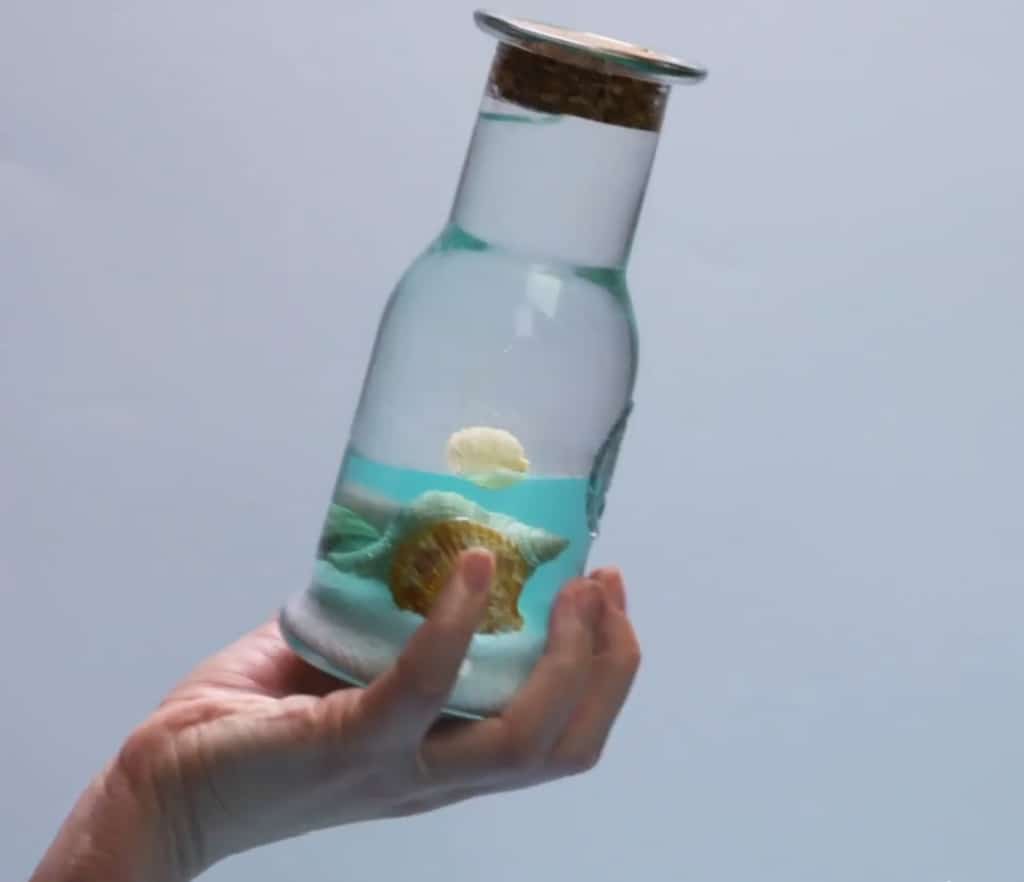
(202, 208)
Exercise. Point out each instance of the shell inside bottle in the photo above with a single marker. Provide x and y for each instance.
(424, 563)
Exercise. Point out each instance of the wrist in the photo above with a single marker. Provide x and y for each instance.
(120, 830)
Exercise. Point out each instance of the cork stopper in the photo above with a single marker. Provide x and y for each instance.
(550, 85)
(554, 70)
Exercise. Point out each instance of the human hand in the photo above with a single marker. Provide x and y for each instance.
(256, 745)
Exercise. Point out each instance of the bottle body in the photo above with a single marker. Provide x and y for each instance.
(474, 337)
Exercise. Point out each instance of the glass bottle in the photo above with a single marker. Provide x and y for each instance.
(502, 375)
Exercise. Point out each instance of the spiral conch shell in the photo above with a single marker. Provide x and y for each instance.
(492, 458)
(416, 554)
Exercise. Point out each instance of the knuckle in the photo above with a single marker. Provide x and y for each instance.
(578, 762)
(445, 630)
(422, 682)
(305, 720)
(431, 689)
(563, 668)
(520, 752)
(146, 754)
(630, 659)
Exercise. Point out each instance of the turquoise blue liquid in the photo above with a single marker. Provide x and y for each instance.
(555, 504)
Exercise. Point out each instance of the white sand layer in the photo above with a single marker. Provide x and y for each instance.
(351, 628)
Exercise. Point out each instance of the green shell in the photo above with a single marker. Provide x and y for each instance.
(344, 528)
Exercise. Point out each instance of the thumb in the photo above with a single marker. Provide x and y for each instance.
(408, 698)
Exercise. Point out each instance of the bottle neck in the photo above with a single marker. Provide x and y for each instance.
(562, 188)
(559, 161)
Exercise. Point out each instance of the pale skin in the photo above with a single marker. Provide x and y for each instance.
(256, 746)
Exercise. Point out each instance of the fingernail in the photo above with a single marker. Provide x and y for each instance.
(588, 604)
(478, 570)
(611, 582)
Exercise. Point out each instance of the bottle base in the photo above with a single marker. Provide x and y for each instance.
(323, 635)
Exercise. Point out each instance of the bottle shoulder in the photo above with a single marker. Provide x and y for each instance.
(458, 269)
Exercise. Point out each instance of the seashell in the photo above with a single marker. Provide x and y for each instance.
(426, 537)
(344, 530)
(536, 545)
(372, 507)
(492, 458)
(424, 562)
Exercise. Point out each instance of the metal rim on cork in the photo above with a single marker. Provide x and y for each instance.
(629, 59)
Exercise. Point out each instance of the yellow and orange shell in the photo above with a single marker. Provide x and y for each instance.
(424, 563)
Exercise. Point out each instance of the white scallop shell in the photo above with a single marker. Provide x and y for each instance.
(492, 458)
